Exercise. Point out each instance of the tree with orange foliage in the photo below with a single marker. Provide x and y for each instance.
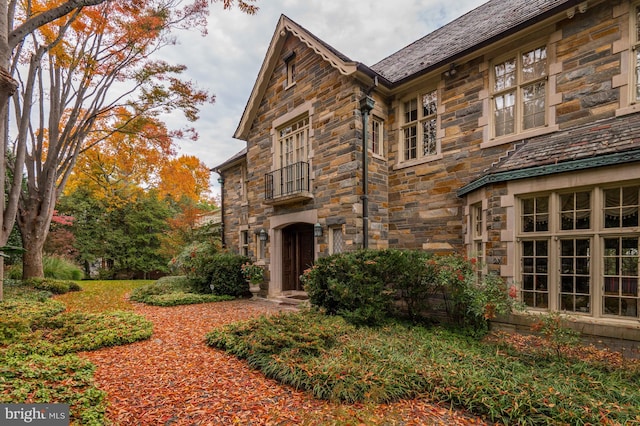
(184, 176)
(125, 162)
(86, 72)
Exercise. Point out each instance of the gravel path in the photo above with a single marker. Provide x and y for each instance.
(175, 379)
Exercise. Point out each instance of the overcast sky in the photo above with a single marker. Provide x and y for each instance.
(226, 62)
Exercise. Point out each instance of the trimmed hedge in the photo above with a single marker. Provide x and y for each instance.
(52, 285)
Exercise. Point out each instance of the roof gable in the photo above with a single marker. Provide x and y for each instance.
(286, 26)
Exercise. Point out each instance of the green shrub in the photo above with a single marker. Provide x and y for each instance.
(61, 269)
(193, 262)
(175, 299)
(414, 280)
(165, 285)
(53, 285)
(173, 291)
(212, 271)
(470, 300)
(360, 286)
(224, 275)
(353, 285)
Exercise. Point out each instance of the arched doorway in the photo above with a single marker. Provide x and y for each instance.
(297, 254)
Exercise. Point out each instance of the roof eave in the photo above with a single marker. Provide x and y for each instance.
(231, 162)
(485, 43)
(550, 169)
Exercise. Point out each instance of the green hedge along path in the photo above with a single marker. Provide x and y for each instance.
(174, 378)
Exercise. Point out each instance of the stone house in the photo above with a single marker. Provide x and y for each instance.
(511, 134)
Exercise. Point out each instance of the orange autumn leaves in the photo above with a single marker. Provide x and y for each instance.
(127, 163)
(124, 147)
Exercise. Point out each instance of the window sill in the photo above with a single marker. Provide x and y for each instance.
(633, 108)
(418, 161)
(616, 328)
(519, 136)
(289, 86)
(377, 156)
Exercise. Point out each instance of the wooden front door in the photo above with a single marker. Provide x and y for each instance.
(297, 254)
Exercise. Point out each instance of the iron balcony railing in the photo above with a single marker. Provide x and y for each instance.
(290, 180)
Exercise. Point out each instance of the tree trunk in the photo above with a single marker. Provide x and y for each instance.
(33, 242)
(7, 87)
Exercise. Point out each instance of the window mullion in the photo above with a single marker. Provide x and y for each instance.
(597, 254)
(554, 253)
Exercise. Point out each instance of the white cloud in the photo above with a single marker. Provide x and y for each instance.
(228, 59)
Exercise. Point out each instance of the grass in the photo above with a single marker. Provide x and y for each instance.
(39, 337)
(337, 361)
(102, 296)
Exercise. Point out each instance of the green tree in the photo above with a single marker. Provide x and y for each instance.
(89, 226)
(135, 239)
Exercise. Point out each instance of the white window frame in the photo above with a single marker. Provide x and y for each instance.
(634, 44)
(477, 231)
(585, 253)
(513, 90)
(292, 142)
(412, 121)
(244, 184)
(376, 136)
(290, 64)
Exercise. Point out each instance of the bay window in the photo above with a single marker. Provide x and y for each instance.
(579, 251)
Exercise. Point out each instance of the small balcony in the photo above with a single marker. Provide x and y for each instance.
(287, 185)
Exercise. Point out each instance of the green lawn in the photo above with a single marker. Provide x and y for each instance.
(101, 296)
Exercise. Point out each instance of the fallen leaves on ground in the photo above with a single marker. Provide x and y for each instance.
(175, 379)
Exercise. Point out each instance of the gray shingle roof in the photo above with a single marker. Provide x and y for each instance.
(602, 143)
(483, 24)
(610, 136)
(237, 156)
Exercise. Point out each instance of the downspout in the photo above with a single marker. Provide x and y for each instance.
(221, 182)
(366, 105)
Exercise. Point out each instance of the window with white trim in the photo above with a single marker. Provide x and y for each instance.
(580, 251)
(244, 182)
(519, 92)
(293, 142)
(635, 51)
(290, 62)
(377, 136)
(477, 230)
(419, 133)
(292, 152)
